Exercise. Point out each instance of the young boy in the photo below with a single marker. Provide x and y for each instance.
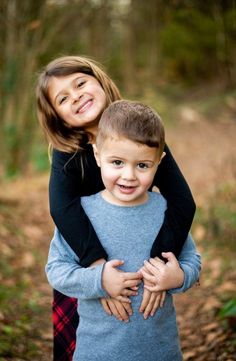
(129, 147)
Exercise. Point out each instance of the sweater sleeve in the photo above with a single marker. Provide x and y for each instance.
(67, 212)
(66, 276)
(180, 207)
(190, 262)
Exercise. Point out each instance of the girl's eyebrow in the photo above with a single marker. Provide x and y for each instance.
(72, 82)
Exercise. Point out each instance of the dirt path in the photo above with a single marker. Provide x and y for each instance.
(207, 158)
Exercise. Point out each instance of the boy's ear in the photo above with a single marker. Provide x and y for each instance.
(96, 154)
(161, 157)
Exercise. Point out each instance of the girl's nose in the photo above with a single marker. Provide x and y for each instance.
(75, 96)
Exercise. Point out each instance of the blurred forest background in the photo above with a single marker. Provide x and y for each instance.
(178, 56)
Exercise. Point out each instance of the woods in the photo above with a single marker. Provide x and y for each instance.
(179, 57)
(143, 45)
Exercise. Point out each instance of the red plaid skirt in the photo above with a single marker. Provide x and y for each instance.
(65, 322)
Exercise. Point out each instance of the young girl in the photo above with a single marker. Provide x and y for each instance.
(72, 93)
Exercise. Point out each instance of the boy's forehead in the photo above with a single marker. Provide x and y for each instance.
(115, 145)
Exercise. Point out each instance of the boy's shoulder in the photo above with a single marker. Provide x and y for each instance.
(157, 197)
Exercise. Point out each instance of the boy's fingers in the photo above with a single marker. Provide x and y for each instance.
(131, 283)
(149, 277)
(155, 288)
(152, 268)
(115, 262)
(132, 275)
(128, 292)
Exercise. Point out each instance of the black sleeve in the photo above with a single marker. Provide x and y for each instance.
(180, 207)
(67, 212)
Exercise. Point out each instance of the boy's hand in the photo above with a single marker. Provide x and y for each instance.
(113, 307)
(119, 284)
(162, 276)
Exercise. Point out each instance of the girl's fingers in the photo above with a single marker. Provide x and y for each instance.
(156, 304)
(163, 297)
(123, 299)
(113, 309)
(145, 300)
(149, 306)
(105, 306)
(121, 310)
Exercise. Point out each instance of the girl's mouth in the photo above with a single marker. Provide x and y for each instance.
(84, 106)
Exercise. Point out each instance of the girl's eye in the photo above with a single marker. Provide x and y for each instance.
(62, 100)
(117, 162)
(142, 166)
(80, 83)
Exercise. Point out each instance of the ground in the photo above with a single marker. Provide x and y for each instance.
(206, 155)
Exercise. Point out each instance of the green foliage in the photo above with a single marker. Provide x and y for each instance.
(228, 309)
(227, 313)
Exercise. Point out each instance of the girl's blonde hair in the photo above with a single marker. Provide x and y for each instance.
(59, 134)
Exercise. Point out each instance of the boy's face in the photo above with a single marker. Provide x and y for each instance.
(127, 170)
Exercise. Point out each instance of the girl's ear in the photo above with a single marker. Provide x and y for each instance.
(96, 154)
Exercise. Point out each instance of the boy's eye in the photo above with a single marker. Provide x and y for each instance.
(142, 165)
(117, 162)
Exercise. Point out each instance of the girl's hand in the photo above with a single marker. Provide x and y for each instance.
(161, 276)
(119, 284)
(151, 301)
(114, 307)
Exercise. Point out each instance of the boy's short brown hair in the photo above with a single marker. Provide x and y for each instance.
(134, 121)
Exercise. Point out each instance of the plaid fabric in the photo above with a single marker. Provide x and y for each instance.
(65, 322)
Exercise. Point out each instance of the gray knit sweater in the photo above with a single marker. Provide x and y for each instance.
(126, 233)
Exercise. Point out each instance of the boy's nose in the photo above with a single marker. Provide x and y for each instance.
(128, 173)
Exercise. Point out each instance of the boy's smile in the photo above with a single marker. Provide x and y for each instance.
(127, 170)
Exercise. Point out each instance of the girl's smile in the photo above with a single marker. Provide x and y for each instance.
(78, 99)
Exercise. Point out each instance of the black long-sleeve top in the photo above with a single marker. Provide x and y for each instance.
(73, 176)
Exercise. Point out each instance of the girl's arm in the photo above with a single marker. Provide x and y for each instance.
(180, 207)
(66, 209)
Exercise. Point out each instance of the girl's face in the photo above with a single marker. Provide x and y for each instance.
(78, 99)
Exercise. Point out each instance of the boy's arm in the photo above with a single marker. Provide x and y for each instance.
(100, 280)
(190, 262)
(180, 207)
(65, 275)
(66, 209)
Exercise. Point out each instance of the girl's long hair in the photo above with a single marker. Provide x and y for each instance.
(59, 134)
